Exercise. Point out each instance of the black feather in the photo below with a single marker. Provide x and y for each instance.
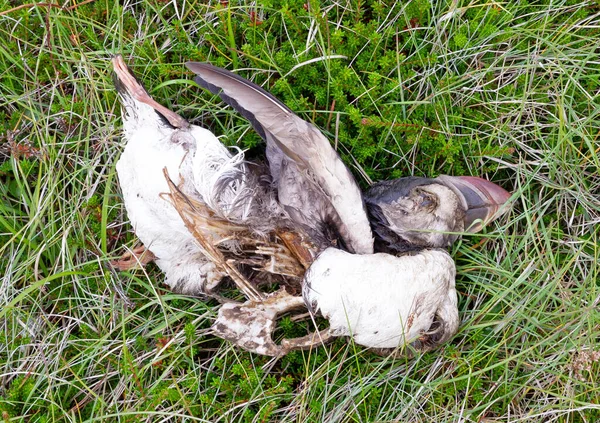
(200, 68)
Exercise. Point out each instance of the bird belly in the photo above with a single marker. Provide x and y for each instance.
(382, 301)
(140, 171)
(154, 219)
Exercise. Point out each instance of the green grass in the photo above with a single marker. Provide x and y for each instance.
(508, 91)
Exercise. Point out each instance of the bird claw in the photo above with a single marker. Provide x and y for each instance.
(140, 256)
(250, 325)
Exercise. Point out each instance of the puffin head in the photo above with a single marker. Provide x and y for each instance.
(413, 213)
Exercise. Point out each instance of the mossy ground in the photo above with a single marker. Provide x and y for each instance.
(508, 91)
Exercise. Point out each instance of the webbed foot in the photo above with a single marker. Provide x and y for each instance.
(139, 257)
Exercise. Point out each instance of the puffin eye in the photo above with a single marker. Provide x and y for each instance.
(427, 200)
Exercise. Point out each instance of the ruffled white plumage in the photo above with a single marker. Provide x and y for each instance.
(380, 300)
(205, 170)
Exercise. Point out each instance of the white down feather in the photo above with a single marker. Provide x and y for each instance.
(192, 155)
(382, 301)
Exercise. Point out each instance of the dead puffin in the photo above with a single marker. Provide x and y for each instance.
(306, 208)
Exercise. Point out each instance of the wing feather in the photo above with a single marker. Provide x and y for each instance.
(319, 166)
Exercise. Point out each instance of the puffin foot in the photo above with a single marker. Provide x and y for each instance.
(139, 257)
(128, 85)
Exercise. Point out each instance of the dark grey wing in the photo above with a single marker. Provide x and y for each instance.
(302, 160)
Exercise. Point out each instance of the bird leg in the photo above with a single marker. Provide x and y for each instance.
(137, 91)
(250, 325)
(140, 256)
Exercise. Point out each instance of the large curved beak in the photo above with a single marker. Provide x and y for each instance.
(483, 200)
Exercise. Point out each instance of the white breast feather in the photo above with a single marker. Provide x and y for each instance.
(382, 301)
(208, 172)
(193, 155)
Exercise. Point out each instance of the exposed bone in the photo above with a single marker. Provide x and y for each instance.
(280, 261)
(273, 256)
(250, 325)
